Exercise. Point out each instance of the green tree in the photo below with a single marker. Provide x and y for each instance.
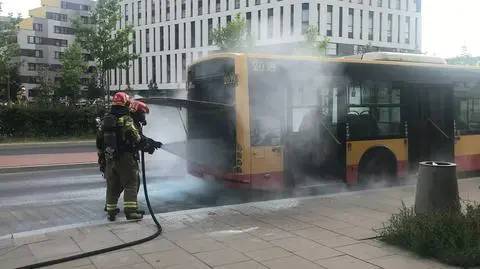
(234, 36)
(152, 88)
(465, 58)
(71, 72)
(9, 52)
(46, 87)
(314, 44)
(94, 90)
(108, 45)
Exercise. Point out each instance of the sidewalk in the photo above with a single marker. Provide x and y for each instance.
(305, 233)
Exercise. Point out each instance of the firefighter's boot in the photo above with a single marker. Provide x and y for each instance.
(105, 209)
(133, 214)
(112, 211)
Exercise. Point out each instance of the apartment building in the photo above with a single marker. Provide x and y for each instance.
(171, 34)
(45, 35)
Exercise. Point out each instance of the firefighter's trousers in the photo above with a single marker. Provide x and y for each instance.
(122, 175)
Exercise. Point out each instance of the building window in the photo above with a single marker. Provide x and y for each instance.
(169, 34)
(192, 34)
(329, 20)
(259, 25)
(361, 24)
(292, 19)
(140, 75)
(140, 39)
(147, 40)
(184, 9)
(200, 7)
(32, 67)
(270, 23)
(305, 17)
(58, 55)
(57, 16)
(389, 3)
(210, 32)
(350, 23)
(154, 69)
(38, 27)
(398, 28)
(381, 27)
(154, 39)
(389, 27)
(147, 79)
(229, 19)
(399, 4)
(208, 7)
(407, 30)
(162, 39)
(217, 5)
(139, 11)
(184, 35)
(281, 21)
(126, 13)
(201, 33)
(248, 26)
(115, 71)
(177, 38)
(184, 67)
(146, 14)
(379, 3)
(133, 13)
(153, 11)
(237, 4)
(340, 21)
(318, 17)
(370, 25)
(169, 75)
(417, 45)
(134, 46)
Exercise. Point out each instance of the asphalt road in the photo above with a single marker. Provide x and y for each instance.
(47, 148)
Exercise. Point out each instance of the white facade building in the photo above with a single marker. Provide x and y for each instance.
(170, 34)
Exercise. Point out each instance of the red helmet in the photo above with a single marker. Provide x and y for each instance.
(139, 106)
(120, 99)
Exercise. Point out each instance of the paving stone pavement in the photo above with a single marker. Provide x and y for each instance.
(305, 233)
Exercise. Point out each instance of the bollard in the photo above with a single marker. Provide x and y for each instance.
(437, 187)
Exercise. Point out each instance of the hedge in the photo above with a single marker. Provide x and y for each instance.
(34, 122)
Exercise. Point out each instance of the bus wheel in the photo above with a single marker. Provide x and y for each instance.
(378, 170)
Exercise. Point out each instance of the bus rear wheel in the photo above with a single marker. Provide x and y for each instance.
(379, 171)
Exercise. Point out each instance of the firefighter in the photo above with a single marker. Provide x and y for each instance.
(121, 141)
(138, 111)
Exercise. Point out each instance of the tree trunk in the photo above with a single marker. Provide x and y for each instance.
(437, 188)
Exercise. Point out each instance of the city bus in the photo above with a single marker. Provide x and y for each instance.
(269, 122)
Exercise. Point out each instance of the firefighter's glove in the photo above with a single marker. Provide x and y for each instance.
(157, 144)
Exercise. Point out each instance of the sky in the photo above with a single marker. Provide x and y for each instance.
(446, 26)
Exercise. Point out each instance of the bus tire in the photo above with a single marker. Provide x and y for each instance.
(378, 167)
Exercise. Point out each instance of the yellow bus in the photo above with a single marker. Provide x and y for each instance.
(274, 121)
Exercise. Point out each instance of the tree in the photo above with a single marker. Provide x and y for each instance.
(9, 52)
(108, 46)
(465, 58)
(314, 44)
(72, 70)
(152, 88)
(47, 86)
(94, 90)
(234, 36)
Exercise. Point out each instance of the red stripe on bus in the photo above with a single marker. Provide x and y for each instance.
(468, 163)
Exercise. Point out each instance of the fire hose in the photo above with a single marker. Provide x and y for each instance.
(113, 248)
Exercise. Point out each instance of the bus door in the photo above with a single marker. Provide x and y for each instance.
(267, 123)
(430, 123)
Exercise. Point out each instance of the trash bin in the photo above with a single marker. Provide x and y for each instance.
(437, 187)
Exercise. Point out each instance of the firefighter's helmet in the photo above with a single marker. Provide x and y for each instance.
(138, 106)
(121, 99)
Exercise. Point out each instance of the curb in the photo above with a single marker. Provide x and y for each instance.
(47, 144)
(7, 170)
